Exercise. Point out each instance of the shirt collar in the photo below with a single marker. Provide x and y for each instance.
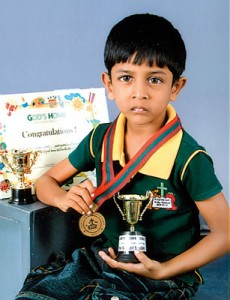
(161, 162)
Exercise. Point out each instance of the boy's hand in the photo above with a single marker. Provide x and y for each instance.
(147, 267)
(79, 198)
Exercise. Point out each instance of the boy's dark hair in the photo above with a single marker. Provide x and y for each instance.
(150, 38)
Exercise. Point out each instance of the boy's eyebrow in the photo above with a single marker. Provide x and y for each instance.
(123, 71)
(158, 72)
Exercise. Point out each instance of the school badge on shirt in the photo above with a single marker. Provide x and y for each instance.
(162, 198)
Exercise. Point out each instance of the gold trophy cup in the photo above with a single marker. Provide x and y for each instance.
(20, 163)
(131, 240)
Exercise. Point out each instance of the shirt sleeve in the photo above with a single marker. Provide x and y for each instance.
(200, 179)
(81, 158)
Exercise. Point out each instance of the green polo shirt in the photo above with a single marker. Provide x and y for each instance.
(171, 221)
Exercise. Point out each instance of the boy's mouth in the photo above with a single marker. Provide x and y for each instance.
(138, 109)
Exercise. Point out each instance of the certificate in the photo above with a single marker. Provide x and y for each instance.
(52, 122)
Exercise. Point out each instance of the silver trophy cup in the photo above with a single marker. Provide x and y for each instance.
(132, 211)
(20, 163)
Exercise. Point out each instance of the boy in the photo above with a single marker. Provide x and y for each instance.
(145, 149)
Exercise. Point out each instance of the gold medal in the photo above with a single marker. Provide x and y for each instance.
(93, 224)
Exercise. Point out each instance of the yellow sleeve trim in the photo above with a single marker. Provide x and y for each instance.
(91, 142)
(188, 161)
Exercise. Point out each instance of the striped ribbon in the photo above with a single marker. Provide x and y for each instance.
(112, 184)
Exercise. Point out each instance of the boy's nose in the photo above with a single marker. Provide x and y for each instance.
(140, 97)
(140, 92)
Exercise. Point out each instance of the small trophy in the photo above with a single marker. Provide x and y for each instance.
(131, 240)
(20, 163)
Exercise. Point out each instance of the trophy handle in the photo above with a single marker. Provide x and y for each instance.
(35, 157)
(6, 162)
(149, 195)
(119, 208)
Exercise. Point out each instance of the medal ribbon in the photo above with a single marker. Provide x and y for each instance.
(111, 184)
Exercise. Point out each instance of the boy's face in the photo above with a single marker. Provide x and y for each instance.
(141, 92)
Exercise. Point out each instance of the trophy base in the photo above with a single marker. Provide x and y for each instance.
(127, 257)
(21, 196)
(129, 241)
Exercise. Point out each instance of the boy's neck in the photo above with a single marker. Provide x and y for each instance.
(144, 131)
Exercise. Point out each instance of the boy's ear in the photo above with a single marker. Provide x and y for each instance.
(177, 87)
(108, 85)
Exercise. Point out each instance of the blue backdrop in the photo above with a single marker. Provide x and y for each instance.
(50, 44)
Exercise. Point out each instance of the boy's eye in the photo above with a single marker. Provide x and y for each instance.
(125, 78)
(154, 80)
